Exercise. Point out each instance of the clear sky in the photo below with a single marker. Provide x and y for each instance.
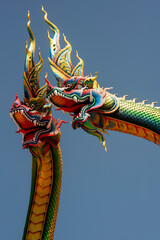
(107, 196)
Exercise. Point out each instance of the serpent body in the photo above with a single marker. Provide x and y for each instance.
(91, 107)
(41, 135)
(132, 118)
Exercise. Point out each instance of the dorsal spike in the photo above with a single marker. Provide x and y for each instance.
(124, 97)
(143, 102)
(152, 104)
(109, 88)
(134, 100)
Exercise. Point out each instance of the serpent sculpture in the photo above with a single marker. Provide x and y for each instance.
(41, 134)
(91, 107)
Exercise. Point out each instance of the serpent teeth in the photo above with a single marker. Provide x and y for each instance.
(48, 99)
(55, 92)
(34, 138)
(75, 99)
(81, 92)
(35, 122)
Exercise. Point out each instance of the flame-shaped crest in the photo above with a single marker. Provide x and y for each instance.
(60, 59)
(31, 71)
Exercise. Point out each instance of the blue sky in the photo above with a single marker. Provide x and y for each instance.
(107, 196)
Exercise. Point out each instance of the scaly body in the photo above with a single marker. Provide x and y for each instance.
(45, 192)
(132, 118)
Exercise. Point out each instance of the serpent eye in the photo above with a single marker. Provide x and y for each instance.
(69, 85)
(32, 106)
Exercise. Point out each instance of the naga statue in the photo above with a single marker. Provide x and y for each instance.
(41, 134)
(92, 108)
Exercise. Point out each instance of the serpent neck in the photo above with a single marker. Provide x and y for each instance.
(139, 114)
(133, 118)
(45, 192)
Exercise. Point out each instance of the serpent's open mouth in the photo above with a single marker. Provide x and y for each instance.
(26, 121)
(32, 125)
(72, 102)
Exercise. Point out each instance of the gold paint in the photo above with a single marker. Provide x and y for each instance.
(105, 120)
(41, 200)
(45, 182)
(123, 127)
(37, 218)
(79, 65)
(46, 174)
(157, 138)
(34, 236)
(47, 166)
(47, 158)
(53, 27)
(129, 128)
(39, 209)
(104, 131)
(150, 136)
(20, 118)
(43, 191)
(58, 71)
(35, 227)
(113, 125)
(140, 132)
(104, 145)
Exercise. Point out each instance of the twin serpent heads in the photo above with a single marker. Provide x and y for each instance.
(91, 108)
